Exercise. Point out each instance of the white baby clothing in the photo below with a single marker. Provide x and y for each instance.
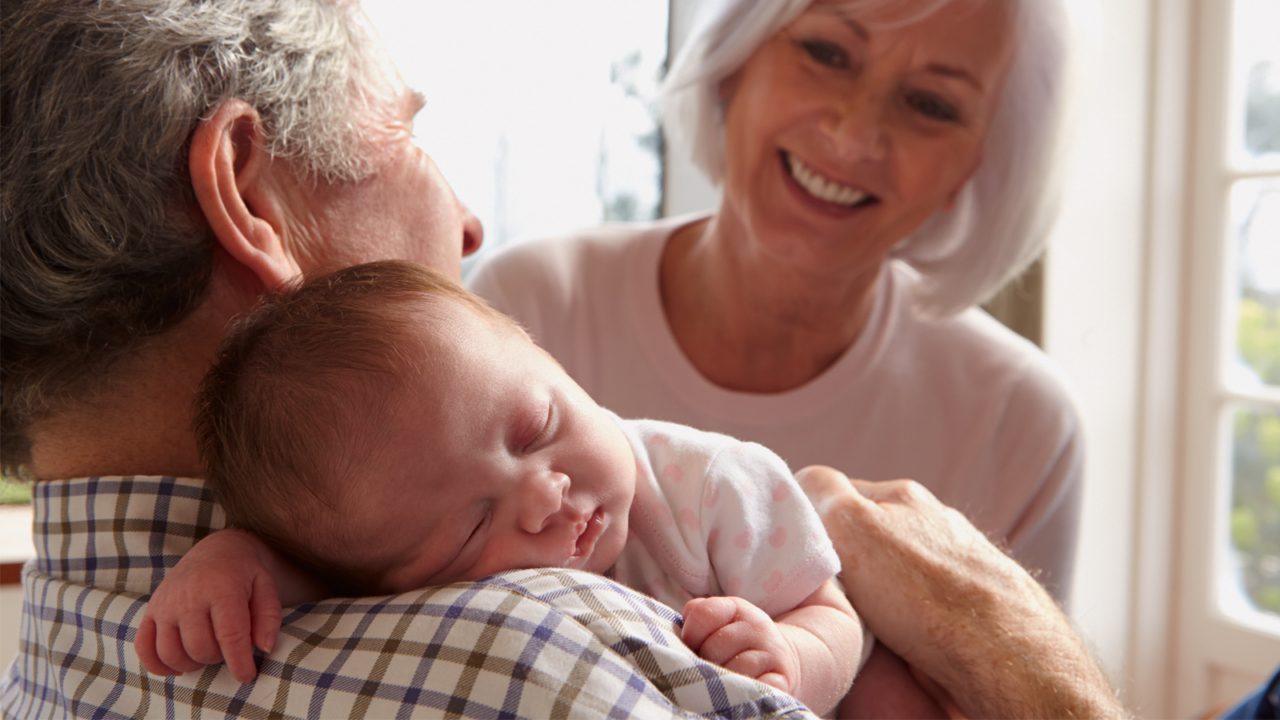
(713, 516)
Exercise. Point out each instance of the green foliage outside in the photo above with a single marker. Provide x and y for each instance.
(1255, 502)
(13, 492)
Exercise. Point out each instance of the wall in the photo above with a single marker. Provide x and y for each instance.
(1093, 308)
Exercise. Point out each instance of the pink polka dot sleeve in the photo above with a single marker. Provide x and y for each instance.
(764, 540)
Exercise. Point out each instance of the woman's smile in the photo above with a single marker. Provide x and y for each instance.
(832, 194)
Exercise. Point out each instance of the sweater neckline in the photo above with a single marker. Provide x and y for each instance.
(649, 322)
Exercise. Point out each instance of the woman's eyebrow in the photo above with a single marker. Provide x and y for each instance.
(958, 73)
(855, 27)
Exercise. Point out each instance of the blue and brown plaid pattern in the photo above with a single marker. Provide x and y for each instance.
(532, 643)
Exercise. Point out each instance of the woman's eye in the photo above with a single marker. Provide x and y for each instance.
(826, 53)
(933, 107)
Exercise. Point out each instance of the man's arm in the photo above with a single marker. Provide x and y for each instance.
(940, 595)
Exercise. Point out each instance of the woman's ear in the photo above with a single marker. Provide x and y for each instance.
(228, 164)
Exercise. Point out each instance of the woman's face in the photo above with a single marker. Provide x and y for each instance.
(848, 128)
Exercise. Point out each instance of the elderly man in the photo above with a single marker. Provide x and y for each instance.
(166, 162)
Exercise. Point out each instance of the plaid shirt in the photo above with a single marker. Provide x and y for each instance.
(531, 643)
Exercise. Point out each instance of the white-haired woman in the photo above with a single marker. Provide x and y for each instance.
(885, 166)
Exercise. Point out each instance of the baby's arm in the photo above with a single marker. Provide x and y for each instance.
(811, 651)
(222, 598)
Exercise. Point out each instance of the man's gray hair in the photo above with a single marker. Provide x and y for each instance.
(103, 244)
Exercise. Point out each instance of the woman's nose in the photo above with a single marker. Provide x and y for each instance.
(854, 130)
(542, 498)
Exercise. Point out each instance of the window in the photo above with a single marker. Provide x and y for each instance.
(539, 114)
(1249, 381)
(1230, 622)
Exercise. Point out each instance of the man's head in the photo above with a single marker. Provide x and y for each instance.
(155, 149)
(384, 425)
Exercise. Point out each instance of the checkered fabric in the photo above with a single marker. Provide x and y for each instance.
(532, 643)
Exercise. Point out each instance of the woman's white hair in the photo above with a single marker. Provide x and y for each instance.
(1002, 216)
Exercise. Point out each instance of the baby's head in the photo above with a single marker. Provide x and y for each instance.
(389, 430)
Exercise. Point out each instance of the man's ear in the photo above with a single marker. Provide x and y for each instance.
(228, 164)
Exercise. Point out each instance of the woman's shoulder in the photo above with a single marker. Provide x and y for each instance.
(975, 346)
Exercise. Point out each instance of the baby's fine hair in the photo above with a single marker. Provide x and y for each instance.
(287, 416)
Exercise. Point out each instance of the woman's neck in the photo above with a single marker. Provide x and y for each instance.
(746, 322)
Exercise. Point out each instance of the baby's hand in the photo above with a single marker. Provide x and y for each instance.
(216, 601)
(737, 635)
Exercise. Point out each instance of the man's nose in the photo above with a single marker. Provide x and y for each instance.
(542, 498)
(472, 230)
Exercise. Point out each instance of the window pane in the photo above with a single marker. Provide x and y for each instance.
(540, 114)
(1255, 506)
(1255, 213)
(1257, 62)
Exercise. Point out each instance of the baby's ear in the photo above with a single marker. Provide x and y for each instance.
(229, 167)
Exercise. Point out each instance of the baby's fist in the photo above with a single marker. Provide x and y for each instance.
(737, 635)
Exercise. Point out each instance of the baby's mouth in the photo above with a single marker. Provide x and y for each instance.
(589, 534)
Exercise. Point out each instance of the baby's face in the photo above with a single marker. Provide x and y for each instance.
(495, 460)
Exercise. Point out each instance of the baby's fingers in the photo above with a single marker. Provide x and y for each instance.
(703, 617)
(264, 606)
(170, 650)
(198, 640)
(761, 665)
(231, 630)
(144, 643)
(777, 680)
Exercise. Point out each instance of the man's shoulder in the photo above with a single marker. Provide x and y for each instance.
(969, 349)
(523, 644)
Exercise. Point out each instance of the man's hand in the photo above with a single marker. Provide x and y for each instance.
(736, 635)
(934, 590)
(216, 605)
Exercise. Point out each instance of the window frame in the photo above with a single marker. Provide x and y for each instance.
(1220, 651)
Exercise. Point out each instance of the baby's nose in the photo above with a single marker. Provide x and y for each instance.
(543, 498)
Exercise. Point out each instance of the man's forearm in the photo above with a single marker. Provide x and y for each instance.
(1032, 663)
(935, 591)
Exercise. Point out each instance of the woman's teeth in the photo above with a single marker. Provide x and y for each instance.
(822, 188)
